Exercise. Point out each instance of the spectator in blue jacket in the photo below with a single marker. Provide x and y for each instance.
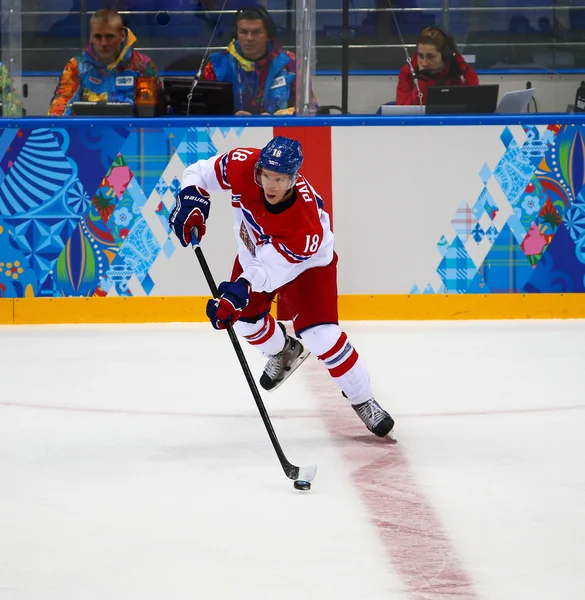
(262, 72)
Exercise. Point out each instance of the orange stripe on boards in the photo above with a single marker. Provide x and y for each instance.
(6, 311)
(358, 307)
(36, 311)
(418, 307)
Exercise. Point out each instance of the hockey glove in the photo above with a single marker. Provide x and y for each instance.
(190, 212)
(234, 297)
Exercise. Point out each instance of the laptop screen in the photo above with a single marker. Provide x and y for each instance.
(462, 99)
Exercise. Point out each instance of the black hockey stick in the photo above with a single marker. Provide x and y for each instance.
(302, 473)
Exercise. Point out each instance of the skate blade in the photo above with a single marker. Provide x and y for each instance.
(295, 365)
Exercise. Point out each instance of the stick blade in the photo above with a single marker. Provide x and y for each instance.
(303, 473)
(307, 473)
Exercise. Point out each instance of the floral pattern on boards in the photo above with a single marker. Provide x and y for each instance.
(543, 180)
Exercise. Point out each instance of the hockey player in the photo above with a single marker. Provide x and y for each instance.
(285, 244)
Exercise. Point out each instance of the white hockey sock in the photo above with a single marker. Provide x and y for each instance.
(264, 335)
(335, 351)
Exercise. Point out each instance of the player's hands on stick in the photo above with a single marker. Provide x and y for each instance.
(234, 297)
(188, 217)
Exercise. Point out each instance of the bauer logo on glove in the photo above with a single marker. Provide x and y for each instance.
(190, 214)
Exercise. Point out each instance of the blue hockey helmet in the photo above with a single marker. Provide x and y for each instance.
(281, 155)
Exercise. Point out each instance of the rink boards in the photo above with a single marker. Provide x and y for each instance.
(434, 218)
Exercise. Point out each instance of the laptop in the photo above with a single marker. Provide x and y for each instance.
(102, 109)
(402, 109)
(462, 99)
(513, 103)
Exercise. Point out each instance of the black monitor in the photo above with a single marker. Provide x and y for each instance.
(209, 97)
(102, 109)
(462, 99)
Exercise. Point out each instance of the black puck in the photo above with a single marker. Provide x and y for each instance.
(302, 485)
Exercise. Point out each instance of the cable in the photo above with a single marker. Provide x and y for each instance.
(203, 60)
(533, 99)
(408, 59)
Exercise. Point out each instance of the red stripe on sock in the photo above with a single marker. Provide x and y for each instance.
(336, 347)
(267, 335)
(345, 366)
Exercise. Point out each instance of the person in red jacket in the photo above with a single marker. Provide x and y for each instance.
(436, 62)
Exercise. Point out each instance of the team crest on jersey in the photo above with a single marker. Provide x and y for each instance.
(245, 237)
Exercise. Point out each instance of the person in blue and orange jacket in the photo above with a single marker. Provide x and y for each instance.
(108, 68)
(436, 62)
(262, 72)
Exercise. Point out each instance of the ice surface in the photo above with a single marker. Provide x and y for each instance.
(134, 465)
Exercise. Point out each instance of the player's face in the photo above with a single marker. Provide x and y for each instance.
(253, 38)
(275, 185)
(106, 40)
(429, 58)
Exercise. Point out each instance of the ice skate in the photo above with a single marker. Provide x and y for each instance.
(375, 418)
(282, 365)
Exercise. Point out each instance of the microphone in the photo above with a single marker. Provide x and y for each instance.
(196, 79)
(424, 74)
(206, 54)
(415, 78)
(408, 59)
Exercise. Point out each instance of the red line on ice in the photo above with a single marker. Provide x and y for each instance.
(415, 540)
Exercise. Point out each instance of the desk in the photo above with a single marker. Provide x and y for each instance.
(422, 206)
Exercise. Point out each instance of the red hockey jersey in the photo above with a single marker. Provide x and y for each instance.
(273, 247)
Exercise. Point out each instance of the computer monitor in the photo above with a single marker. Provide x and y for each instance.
(462, 99)
(209, 97)
(102, 109)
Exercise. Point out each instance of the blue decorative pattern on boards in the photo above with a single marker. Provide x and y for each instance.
(456, 269)
(543, 180)
(506, 268)
(72, 202)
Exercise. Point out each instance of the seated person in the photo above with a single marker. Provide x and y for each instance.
(10, 100)
(437, 62)
(108, 68)
(263, 73)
